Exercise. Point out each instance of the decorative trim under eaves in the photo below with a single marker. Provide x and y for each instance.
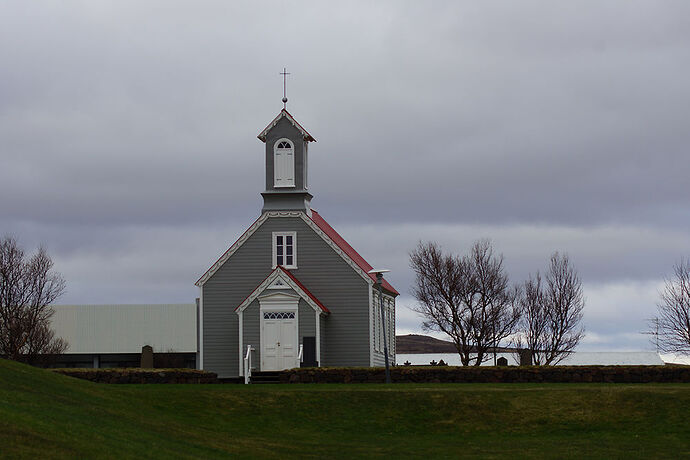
(250, 231)
(277, 274)
(337, 249)
(285, 114)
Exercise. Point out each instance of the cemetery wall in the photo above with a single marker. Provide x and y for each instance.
(136, 375)
(510, 374)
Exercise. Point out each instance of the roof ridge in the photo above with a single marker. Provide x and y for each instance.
(284, 113)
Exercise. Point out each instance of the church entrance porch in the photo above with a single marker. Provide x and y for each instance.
(279, 340)
(280, 325)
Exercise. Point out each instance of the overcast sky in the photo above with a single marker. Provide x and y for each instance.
(129, 150)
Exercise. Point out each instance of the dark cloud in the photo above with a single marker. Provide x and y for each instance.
(128, 136)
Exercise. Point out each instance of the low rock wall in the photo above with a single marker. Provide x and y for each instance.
(135, 375)
(522, 374)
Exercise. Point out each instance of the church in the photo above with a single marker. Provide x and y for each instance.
(291, 291)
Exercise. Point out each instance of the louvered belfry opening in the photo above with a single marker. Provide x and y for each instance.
(286, 148)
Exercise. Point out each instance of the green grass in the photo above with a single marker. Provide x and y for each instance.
(48, 415)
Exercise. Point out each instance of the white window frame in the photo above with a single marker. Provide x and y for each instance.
(378, 347)
(390, 310)
(284, 174)
(389, 313)
(274, 238)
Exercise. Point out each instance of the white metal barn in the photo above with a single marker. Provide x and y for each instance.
(113, 335)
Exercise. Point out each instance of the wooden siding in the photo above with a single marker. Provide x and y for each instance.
(345, 333)
(322, 341)
(251, 332)
(306, 322)
(379, 358)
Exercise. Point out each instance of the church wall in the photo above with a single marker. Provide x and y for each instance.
(307, 321)
(345, 335)
(378, 357)
(223, 292)
(285, 129)
(322, 326)
(251, 332)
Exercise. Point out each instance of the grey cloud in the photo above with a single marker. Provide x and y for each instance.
(541, 125)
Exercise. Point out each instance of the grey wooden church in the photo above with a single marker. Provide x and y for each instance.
(291, 291)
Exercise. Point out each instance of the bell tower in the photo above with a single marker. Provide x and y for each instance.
(287, 159)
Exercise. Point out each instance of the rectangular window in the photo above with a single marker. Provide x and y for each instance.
(379, 328)
(377, 324)
(285, 249)
(391, 326)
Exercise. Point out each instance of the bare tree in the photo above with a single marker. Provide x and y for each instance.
(468, 298)
(28, 285)
(534, 320)
(551, 313)
(674, 312)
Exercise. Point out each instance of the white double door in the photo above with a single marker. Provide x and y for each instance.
(279, 340)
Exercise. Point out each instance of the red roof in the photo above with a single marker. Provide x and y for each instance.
(297, 282)
(347, 249)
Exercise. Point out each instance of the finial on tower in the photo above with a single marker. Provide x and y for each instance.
(284, 73)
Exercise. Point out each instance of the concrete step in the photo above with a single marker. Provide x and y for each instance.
(265, 377)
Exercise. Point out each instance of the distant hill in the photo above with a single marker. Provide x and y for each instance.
(415, 343)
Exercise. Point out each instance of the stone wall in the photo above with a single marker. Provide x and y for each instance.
(523, 374)
(136, 375)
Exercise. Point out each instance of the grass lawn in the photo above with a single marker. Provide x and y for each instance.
(48, 415)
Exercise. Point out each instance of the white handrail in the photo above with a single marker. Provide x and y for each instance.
(300, 356)
(248, 364)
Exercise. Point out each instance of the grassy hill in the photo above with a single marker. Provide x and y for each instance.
(47, 415)
(415, 343)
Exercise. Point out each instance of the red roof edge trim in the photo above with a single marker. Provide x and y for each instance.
(306, 291)
(347, 249)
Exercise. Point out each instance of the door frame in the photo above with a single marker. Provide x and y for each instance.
(279, 301)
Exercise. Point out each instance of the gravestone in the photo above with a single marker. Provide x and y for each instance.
(525, 358)
(502, 361)
(146, 357)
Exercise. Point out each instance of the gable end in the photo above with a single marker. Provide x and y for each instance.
(255, 226)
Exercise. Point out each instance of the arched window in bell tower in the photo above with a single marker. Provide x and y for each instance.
(284, 163)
